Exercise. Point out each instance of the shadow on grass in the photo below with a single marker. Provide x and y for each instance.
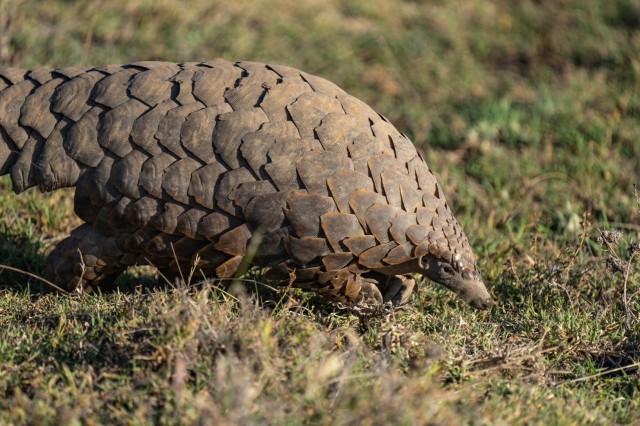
(21, 251)
(25, 253)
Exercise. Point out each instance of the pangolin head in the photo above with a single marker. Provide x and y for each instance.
(447, 258)
(466, 282)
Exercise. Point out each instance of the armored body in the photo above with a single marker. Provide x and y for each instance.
(219, 165)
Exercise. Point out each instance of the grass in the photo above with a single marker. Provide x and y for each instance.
(529, 114)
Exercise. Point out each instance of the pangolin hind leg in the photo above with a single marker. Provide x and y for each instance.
(86, 258)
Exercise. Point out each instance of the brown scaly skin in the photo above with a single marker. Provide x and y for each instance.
(220, 164)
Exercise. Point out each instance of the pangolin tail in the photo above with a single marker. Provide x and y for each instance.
(33, 130)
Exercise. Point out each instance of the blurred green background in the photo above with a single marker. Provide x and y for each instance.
(527, 100)
(528, 111)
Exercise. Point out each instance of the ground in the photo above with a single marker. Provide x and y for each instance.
(529, 114)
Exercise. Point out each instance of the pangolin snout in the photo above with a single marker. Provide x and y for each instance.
(482, 304)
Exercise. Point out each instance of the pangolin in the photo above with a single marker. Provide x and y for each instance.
(222, 166)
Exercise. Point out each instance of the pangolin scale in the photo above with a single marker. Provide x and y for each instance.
(218, 165)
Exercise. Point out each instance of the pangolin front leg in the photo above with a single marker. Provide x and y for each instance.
(370, 292)
(86, 259)
(399, 289)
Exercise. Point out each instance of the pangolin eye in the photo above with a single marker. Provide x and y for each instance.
(447, 269)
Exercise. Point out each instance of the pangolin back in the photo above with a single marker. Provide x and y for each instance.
(227, 164)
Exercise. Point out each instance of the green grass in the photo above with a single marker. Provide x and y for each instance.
(528, 112)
